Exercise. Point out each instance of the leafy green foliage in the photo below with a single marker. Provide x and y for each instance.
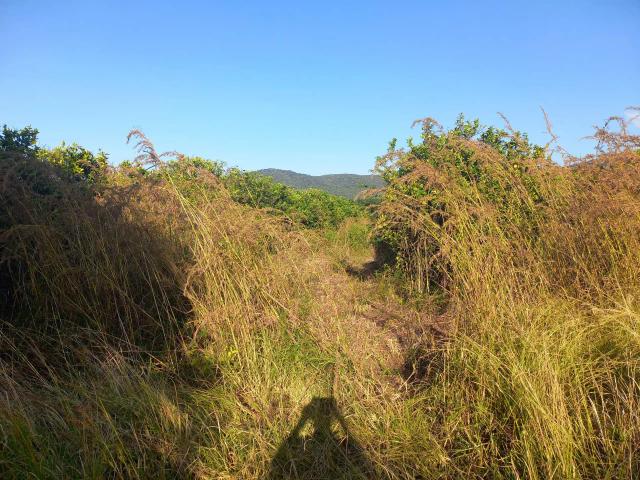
(191, 166)
(77, 161)
(23, 140)
(317, 208)
(450, 184)
(312, 208)
(253, 189)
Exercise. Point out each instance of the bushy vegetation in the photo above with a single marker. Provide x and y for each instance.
(172, 318)
(311, 208)
(470, 182)
(537, 265)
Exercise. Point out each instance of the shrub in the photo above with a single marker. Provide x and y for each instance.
(458, 192)
(24, 140)
(538, 265)
(311, 208)
(78, 162)
(70, 260)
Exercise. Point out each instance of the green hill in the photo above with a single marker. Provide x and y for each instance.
(343, 184)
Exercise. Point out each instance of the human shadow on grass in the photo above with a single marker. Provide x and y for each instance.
(320, 447)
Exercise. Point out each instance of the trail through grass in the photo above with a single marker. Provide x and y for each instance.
(484, 323)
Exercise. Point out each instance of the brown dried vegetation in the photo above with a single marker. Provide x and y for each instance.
(153, 327)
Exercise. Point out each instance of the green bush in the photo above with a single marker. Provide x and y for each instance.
(312, 208)
(453, 183)
(77, 161)
(23, 140)
(74, 160)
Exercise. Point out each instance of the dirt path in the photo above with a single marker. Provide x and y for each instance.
(379, 334)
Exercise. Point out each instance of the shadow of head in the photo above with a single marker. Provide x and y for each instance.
(320, 446)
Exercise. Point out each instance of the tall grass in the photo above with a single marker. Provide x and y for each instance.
(154, 327)
(540, 265)
(146, 322)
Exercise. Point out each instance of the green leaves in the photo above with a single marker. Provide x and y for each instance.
(313, 208)
(464, 182)
(23, 140)
(73, 160)
(77, 161)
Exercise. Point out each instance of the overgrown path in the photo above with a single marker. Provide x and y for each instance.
(383, 347)
(378, 332)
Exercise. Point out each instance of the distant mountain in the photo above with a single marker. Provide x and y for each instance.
(343, 184)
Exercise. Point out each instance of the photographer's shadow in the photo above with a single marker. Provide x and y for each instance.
(315, 450)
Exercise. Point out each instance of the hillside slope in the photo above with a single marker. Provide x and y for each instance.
(343, 184)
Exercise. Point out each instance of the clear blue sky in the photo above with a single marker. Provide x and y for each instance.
(316, 87)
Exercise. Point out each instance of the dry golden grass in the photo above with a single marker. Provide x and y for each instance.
(157, 331)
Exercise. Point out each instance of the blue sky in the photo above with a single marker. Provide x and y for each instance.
(317, 87)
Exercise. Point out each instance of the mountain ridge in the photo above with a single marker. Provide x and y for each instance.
(342, 184)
